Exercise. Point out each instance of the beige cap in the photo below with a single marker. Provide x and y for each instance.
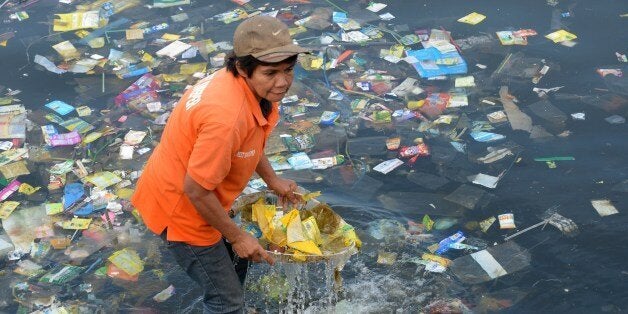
(265, 38)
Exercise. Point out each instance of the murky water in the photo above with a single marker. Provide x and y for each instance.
(585, 273)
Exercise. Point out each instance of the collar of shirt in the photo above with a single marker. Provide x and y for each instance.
(255, 108)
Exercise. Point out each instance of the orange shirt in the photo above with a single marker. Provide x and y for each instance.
(216, 134)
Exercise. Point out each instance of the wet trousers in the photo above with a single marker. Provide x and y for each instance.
(218, 271)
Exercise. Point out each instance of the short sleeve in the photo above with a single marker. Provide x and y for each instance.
(210, 160)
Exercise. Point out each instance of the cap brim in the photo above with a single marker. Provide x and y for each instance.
(279, 54)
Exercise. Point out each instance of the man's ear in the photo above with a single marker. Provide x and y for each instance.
(241, 72)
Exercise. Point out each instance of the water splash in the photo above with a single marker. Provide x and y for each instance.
(289, 287)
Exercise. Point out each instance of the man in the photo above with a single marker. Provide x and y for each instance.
(210, 147)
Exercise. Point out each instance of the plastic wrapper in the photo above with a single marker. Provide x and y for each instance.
(76, 20)
(301, 235)
(61, 274)
(128, 261)
(491, 263)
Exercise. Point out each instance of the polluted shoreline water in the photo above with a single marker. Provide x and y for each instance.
(477, 149)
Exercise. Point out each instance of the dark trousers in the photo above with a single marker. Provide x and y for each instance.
(217, 270)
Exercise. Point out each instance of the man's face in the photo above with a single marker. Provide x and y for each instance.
(270, 82)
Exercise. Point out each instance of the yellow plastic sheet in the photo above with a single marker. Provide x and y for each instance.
(397, 51)
(205, 47)
(134, 34)
(103, 179)
(81, 33)
(53, 208)
(428, 222)
(7, 208)
(75, 21)
(91, 137)
(83, 111)
(146, 57)
(310, 196)
(191, 68)
(97, 42)
(472, 18)
(76, 224)
(28, 189)
(170, 37)
(124, 193)
(66, 50)
(174, 77)
(414, 105)
(14, 169)
(438, 259)
(306, 247)
(127, 260)
(316, 63)
(560, 36)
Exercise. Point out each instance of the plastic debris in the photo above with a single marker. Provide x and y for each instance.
(604, 207)
(472, 18)
(494, 262)
(406, 140)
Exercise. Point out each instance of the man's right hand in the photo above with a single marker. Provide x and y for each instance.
(246, 246)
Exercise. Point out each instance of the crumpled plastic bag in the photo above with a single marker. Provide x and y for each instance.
(296, 238)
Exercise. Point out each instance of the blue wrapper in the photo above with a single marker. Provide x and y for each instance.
(329, 117)
(445, 244)
(253, 230)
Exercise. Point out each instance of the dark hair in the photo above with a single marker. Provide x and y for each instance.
(249, 64)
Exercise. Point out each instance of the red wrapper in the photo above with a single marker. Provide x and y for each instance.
(417, 150)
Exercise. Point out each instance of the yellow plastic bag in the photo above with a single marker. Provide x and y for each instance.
(263, 215)
(350, 237)
(306, 247)
(326, 219)
(294, 229)
(311, 231)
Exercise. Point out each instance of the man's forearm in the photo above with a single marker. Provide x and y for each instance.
(209, 207)
(265, 170)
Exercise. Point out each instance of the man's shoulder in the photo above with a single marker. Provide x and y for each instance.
(220, 87)
(219, 91)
